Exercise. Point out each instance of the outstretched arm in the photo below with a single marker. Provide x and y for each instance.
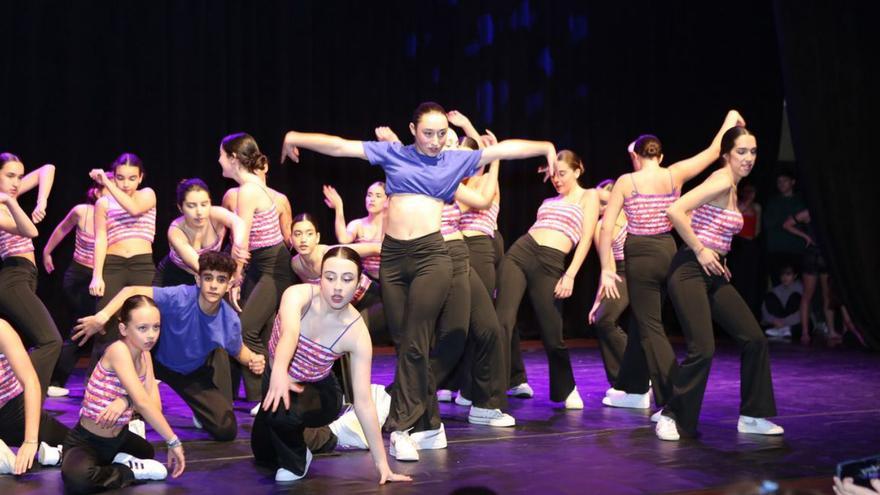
(513, 149)
(320, 143)
(90, 325)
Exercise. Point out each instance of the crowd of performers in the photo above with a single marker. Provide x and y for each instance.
(426, 267)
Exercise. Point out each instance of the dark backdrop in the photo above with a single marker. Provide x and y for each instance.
(85, 81)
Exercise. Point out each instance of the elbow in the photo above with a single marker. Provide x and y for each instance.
(30, 232)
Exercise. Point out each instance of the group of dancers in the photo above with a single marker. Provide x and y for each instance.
(427, 263)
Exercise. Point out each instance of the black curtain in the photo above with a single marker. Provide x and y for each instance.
(85, 81)
(829, 60)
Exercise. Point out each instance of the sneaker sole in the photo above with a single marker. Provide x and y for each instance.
(476, 420)
(393, 453)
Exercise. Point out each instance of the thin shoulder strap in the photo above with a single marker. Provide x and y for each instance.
(311, 297)
(345, 330)
(671, 182)
(633, 180)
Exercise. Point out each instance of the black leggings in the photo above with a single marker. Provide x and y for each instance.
(698, 299)
(538, 268)
(482, 250)
(169, 275)
(87, 460)
(452, 328)
(277, 439)
(268, 276)
(416, 275)
(647, 263)
(625, 366)
(12, 424)
(76, 290)
(26, 313)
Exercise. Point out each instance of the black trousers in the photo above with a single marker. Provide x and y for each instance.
(416, 275)
(76, 291)
(119, 273)
(744, 263)
(211, 405)
(169, 275)
(12, 424)
(268, 276)
(528, 265)
(280, 439)
(779, 310)
(452, 328)
(26, 313)
(698, 299)
(625, 366)
(647, 263)
(482, 250)
(87, 460)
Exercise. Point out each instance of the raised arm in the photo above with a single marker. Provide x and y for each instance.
(689, 168)
(293, 301)
(12, 347)
(344, 233)
(17, 222)
(324, 144)
(679, 214)
(459, 119)
(137, 204)
(44, 177)
(58, 235)
(590, 208)
(90, 325)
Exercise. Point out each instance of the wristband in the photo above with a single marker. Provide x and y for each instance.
(31, 442)
(174, 442)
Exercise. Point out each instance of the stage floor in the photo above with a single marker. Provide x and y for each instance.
(828, 401)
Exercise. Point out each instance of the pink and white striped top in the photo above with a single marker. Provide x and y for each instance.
(10, 387)
(265, 229)
(483, 221)
(449, 219)
(14, 245)
(177, 260)
(312, 362)
(370, 264)
(102, 389)
(561, 216)
(618, 243)
(646, 213)
(84, 248)
(716, 226)
(121, 225)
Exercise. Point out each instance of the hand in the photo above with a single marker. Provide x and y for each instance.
(289, 149)
(279, 390)
(4, 198)
(551, 160)
(240, 254)
(809, 240)
(111, 413)
(733, 118)
(386, 475)
(608, 280)
(88, 326)
(847, 487)
(332, 198)
(591, 318)
(257, 364)
(24, 459)
(48, 265)
(489, 138)
(384, 133)
(176, 461)
(234, 296)
(458, 119)
(564, 286)
(711, 262)
(96, 287)
(99, 176)
(39, 212)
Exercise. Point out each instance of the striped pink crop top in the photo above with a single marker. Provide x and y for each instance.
(483, 221)
(122, 226)
(14, 245)
(265, 228)
(646, 213)
(84, 248)
(449, 219)
(561, 216)
(10, 387)
(618, 243)
(370, 264)
(716, 226)
(177, 260)
(102, 389)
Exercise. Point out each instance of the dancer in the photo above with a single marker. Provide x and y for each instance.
(699, 286)
(285, 218)
(196, 323)
(644, 196)
(22, 422)
(100, 453)
(537, 262)
(199, 229)
(19, 303)
(315, 328)
(415, 271)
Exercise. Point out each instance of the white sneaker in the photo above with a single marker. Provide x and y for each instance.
(48, 456)
(758, 426)
(382, 400)
(444, 395)
(403, 448)
(256, 409)
(197, 423)
(138, 427)
(490, 417)
(666, 429)
(348, 431)
(7, 459)
(462, 401)
(656, 416)
(54, 391)
(613, 392)
(143, 469)
(283, 475)
(522, 391)
(629, 401)
(574, 401)
(430, 439)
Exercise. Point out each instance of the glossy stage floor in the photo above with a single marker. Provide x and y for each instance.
(829, 404)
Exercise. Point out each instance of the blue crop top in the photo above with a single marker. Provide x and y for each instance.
(408, 171)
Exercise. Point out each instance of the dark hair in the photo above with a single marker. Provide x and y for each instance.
(133, 303)
(217, 261)
(93, 194)
(728, 139)
(243, 147)
(786, 172)
(426, 107)
(378, 182)
(788, 266)
(469, 143)
(129, 159)
(344, 252)
(7, 157)
(305, 217)
(648, 146)
(571, 158)
(187, 185)
(604, 183)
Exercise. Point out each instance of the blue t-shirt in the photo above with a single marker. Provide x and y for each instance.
(408, 171)
(188, 335)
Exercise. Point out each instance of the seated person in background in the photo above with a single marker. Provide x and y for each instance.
(781, 308)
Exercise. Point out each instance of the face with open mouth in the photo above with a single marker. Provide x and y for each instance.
(339, 279)
(741, 159)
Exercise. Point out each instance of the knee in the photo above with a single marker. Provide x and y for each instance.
(757, 343)
(227, 430)
(77, 476)
(702, 351)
